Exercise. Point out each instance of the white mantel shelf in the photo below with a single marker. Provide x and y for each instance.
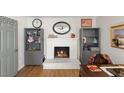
(63, 38)
(59, 38)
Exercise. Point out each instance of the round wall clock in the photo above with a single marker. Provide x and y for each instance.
(37, 23)
(61, 28)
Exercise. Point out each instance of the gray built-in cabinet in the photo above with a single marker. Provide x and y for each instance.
(8, 47)
(89, 43)
(34, 46)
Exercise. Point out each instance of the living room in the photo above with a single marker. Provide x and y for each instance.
(71, 39)
(100, 72)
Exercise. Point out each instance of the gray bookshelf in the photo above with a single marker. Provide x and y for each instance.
(34, 46)
(89, 43)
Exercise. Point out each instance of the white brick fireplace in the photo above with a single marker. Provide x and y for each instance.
(62, 63)
(62, 42)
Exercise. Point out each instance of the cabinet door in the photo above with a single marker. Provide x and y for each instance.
(28, 58)
(37, 58)
(85, 57)
(42, 45)
(81, 44)
(34, 56)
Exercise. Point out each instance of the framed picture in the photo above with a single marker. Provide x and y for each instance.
(117, 36)
(86, 22)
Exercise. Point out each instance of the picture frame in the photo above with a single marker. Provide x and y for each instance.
(117, 36)
(86, 22)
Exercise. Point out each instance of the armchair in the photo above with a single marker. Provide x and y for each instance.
(99, 59)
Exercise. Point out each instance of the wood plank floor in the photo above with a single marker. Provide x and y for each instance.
(37, 71)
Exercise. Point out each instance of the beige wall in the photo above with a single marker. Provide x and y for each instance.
(21, 25)
(104, 22)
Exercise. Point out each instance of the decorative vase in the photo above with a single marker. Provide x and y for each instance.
(72, 35)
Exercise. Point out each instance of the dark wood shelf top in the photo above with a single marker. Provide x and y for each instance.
(85, 72)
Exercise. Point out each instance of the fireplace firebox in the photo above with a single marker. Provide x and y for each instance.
(61, 52)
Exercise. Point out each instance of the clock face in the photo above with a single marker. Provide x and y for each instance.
(37, 23)
(61, 28)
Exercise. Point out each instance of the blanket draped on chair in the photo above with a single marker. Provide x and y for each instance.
(99, 59)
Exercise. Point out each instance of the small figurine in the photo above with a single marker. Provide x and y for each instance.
(30, 39)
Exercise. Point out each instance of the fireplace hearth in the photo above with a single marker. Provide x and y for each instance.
(61, 52)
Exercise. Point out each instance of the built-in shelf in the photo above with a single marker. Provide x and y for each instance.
(89, 43)
(34, 46)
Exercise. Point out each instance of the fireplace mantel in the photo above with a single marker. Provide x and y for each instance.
(67, 38)
(62, 42)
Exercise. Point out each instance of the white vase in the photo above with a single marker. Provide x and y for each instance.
(94, 40)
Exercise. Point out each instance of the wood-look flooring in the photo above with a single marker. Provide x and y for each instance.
(38, 71)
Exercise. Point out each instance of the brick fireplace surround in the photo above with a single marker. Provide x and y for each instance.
(62, 63)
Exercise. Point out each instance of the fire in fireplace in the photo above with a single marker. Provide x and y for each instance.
(61, 52)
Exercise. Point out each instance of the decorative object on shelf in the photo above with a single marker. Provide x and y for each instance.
(84, 40)
(37, 23)
(72, 35)
(30, 39)
(52, 36)
(86, 48)
(117, 36)
(61, 27)
(95, 40)
(86, 22)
